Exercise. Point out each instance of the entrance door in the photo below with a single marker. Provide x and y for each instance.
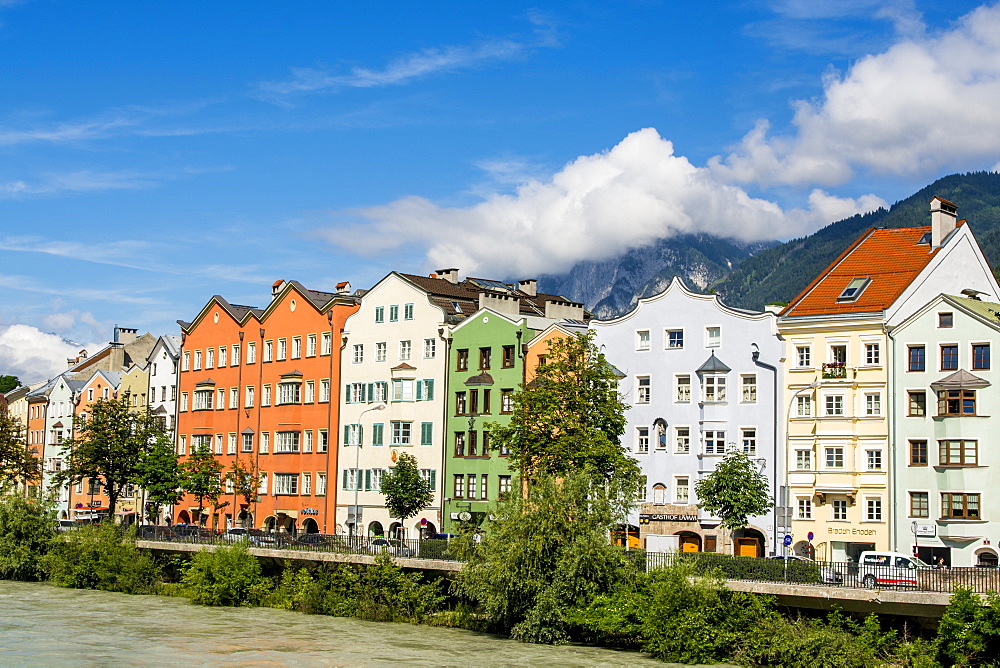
(690, 542)
(747, 547)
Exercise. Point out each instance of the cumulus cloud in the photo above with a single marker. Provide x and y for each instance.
(595, 207)
(33, 355)
(917, 108)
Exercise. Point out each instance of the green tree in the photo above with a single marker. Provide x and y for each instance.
(8, 383)
(570, 417)
(200, 477)
(27, 529)
(160, 476)
(735, 491)
(246, 478)
(17, 464)
(406, 491)
(110, 445)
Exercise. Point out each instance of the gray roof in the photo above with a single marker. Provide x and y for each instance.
(960, 379)
(713, 365)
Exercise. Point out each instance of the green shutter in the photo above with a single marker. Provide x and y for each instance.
(377, 430)
(347, 434)
(420, 390)
(368, 480)
(371, 392)
(347, 393)
(346, 476)
(429, 392)
(426, 433)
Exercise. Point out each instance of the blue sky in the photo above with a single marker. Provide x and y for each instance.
(153, 154)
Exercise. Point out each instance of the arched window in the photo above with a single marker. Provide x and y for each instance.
(659, 493)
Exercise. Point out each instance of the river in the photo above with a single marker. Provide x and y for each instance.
(41, 624)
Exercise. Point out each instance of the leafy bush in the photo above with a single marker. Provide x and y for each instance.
(229, 576)
(101, 556)
(434, 548)
(748, 568)
(380, 592)
(969, 632)
(27, 530)
(298, 590)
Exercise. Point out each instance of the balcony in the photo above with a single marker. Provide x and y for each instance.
(835, 370)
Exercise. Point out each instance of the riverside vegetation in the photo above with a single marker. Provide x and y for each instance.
(569, 587)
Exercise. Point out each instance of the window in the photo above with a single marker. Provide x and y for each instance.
(401, 433)
(834, 457)
(642, 440)
(426, 433)
(838, 354)
(960, 506)
(405, 347)
(748, 388)
(311, 345)
(683, 388)
(749, 441)
(804, 406)
(803, 460)
(715, 442)
(715, 388)
(296, 347)
(805, 509)
(407, 311)
(916, 358)
(355, 393)
(675, 338)
(508, 357)
(471, 485)
(197, 360)
(249, 400)
(506, 401)
(981, 356)
(854, 289)
(459, 443)
(210, 358)
(359, 353)
(682, 442)
(958, 452)
(659, 494)
(265, 442)
(352, 479)
(425, 390)
(956, 402)
(310, 391)
(220, 400)
(402, 390)
(918, 453)
(504, 486)
(835, 404)
(234, 397)
(307, 441)
(373, 480)
(286, 441)
(320, 484)
(713, 337)
(872, 357)
(352, 434)
(803, 356)
(874, 458)
(263, 484)
(916, 403)
(289, 393)
(187, 361)
(378, 434)
(484, 358)
(379, 314)
(324, 441)
(203, 399)
(327, 344)
(873, 510)
(307, 483)
(462, 359)
(873, 404)
(683, 488)
(459, 486)
(949, 358)
(234, 359)
(265, 399)
(920, 504)
(380, 391)
(251, 353)
(430, 349)
(946, 320)
(838, 508)
(182, 445)
(268, 351)
(642, 339)
(394, 313)
(380, 351)
(642, 392)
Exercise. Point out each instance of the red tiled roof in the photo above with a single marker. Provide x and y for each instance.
(891, 258)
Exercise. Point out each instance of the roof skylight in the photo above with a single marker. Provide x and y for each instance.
(854, 289)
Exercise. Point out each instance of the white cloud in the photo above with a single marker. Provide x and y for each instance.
(918, 108)
(79, 181)
(33, 355)
(595, 207)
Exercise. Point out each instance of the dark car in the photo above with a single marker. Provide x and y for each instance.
(318, 539)
(390, 545)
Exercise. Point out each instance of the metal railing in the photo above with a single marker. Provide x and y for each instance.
(836, 370)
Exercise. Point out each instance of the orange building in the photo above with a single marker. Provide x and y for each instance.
(87, 498)
(261, 386)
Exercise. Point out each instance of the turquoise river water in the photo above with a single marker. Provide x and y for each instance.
(43, 625)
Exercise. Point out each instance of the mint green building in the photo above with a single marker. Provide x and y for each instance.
(945, 420)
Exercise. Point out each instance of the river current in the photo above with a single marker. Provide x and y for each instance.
(49, 626)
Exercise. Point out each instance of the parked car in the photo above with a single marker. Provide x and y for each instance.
(892, 569)
(192, 532)
(827, 574)
(392, 546)
(255, 537)
(320, 540)
(65, 525)
(151, 532)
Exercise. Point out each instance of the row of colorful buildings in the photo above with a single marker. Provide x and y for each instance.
(865, 402)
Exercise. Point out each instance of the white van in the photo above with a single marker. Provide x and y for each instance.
(888, 569)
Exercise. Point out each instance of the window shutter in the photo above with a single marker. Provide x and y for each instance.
(377, 434)
(368, 480)
(426, 433)
(420, 390)
(347, 393)
(347, 434)
(429, 392)
(433, 477)
(346, 477)
(371, 392)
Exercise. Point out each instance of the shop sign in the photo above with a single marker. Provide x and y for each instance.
(851, 531)
(924, 530)
(309, 511)
(646, 518)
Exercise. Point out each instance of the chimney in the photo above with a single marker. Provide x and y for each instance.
(126, 335)
(450, 275)
(528, 286)
(276, 287)
(501, 302)
(344, 288)
(944, 215)
(562, 310)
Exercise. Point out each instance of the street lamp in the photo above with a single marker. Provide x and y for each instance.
(788, 444)
(357, 470)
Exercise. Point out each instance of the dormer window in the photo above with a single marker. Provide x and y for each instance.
(854, 289)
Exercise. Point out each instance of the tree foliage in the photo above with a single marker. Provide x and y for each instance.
(160, 476)
(246, 478)
(17, 464)
(200, 477)
(110, 445)
(735, 491)
(570, 417)
(406, 491)
(101, 556)
(27, 529)
(9, 383)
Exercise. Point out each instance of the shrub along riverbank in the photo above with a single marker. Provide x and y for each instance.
(676, 614)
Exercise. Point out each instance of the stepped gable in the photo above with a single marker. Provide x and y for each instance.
(890, 258)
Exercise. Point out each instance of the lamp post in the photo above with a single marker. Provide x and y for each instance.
(788, 443)
(357, 471)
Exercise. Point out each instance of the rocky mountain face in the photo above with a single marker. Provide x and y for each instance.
(750, 275)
